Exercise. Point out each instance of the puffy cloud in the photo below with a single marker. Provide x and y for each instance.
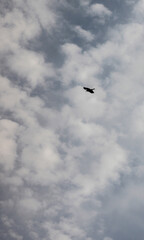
(18, 27)
(99, 10)
(84, 34)
(77, 60)
(96, 10)
(31, 66)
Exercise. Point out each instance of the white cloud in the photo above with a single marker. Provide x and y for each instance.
(100, 11)
(85, 3)
(64, 230)
(41, 11)
(16, 28)
(34, 141)
(10, 96)
(79, 66)
(40, 155)
(102, 171)
(29, 205)
(19, 26)
(137, 127)
(96, 10)
(85, 106)
(18, 102)
(70, 228)
(31, 66)
(84, 34)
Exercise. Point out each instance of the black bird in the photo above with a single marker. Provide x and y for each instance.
(91, 90)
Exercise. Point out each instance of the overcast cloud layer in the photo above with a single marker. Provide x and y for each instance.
(71, 163)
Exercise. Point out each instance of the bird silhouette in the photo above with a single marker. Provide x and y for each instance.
(91, 90)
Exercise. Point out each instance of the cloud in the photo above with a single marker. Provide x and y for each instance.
(41, 12)
(18, 27)
(99, 10)
(86, 35)
(14, 235)
(107, 238)
(137, 10)
(75, 60)
(65, 230)
(63, 167)
(137, 122)
(9, 225)
(8, 131)
(29, 205)
(85, 2)
(96, 11)
(19, 132)
(31, 66)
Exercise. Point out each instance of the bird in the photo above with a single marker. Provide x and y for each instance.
(91, 90)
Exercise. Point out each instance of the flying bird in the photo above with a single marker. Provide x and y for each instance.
(91, 90)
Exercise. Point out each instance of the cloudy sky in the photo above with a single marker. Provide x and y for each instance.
(71, 162)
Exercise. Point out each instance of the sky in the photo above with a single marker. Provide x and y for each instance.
(71, 162)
